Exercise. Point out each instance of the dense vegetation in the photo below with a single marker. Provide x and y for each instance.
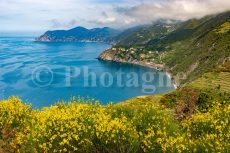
(193, 47)
(139, 36)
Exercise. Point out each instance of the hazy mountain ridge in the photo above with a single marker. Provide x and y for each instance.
(79, 34)
(141, 35)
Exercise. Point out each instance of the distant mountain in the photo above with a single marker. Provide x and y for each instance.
(80, 34)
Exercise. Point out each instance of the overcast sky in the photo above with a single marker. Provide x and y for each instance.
(42, 15)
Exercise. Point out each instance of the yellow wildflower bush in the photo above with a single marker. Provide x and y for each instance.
(15, 120)
(154, 125)
(136, 126)
(210, 131)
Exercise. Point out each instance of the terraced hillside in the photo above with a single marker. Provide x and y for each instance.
(219, 79)
(213, 80)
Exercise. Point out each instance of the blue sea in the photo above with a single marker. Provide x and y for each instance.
(45, 73)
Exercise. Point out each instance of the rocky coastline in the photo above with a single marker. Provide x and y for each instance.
(110, 55)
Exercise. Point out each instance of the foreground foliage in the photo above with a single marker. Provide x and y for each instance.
(138, 125)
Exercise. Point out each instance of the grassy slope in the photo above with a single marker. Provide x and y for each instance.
(218, 78)
(213, 80)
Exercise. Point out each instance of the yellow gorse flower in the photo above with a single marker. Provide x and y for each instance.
(90, 127)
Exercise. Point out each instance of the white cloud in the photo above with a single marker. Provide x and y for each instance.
(173, 9)
(47, 14)
(107, 20)
(41, 15)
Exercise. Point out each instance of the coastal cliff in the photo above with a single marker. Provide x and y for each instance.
(113, 54)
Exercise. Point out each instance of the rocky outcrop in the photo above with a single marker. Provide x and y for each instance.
(109, 55)
(113, 54)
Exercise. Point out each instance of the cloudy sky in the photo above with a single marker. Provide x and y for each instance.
(42, 15)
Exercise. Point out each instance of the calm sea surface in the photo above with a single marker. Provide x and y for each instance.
(44, 73)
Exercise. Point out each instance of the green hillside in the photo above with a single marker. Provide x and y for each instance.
(219, 78)
(193, 47)
(139, 36)
(214, 81)
(203, 50)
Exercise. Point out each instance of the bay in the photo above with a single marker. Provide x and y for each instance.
(44, 73)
